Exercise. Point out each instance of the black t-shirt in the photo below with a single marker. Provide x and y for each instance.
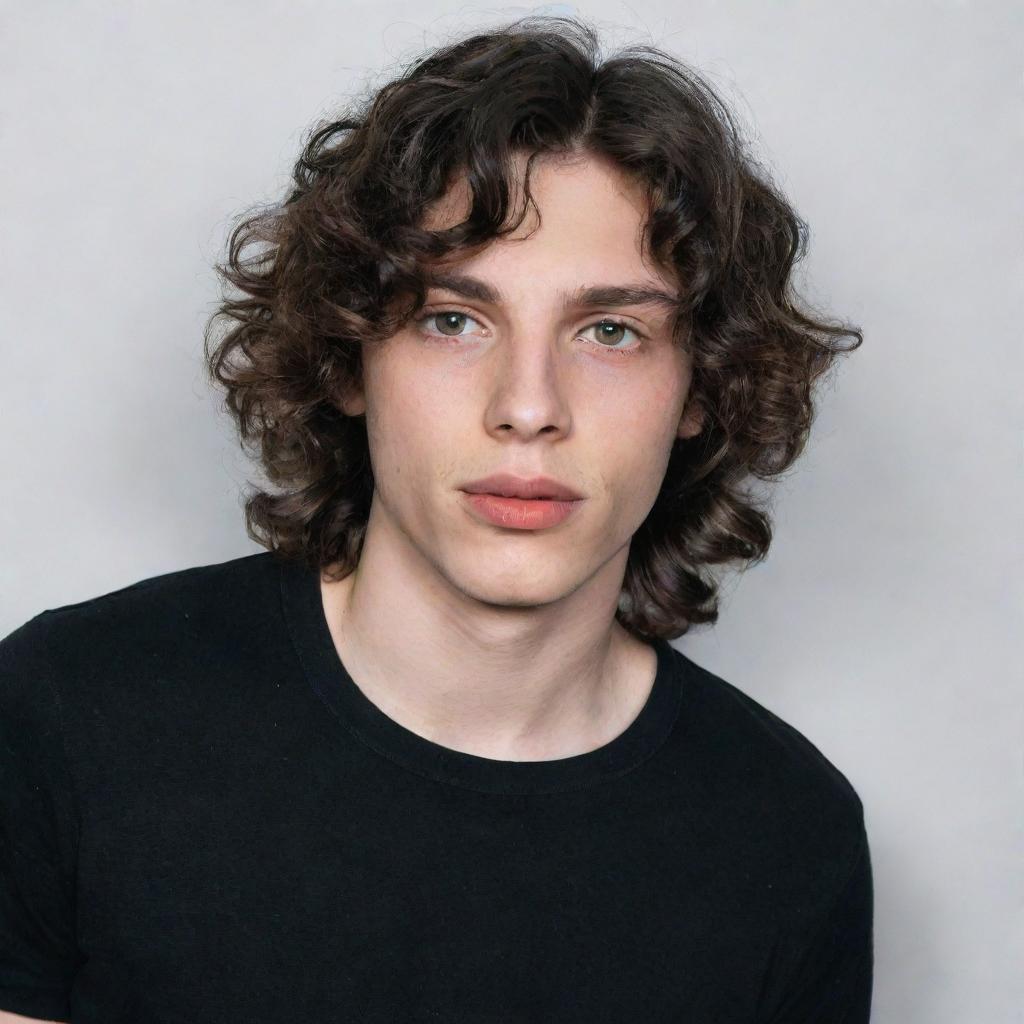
(204, 819)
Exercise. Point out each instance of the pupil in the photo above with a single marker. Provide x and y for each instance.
(453, 320)
(447, 318)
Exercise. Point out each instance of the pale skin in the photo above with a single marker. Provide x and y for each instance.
(496, 642)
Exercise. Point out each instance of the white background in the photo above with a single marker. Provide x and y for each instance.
(880, 625)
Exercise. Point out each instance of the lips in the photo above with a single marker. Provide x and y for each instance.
(509, 486)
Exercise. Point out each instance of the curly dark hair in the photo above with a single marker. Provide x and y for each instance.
(331, 263)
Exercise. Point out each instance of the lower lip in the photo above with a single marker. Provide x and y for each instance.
(522, 513)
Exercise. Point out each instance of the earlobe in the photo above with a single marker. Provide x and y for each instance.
(692, 421)
(352, 403)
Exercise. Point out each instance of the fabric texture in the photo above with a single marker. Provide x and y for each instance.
(204, 819)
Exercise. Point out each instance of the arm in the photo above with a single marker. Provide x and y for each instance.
(833, 978)
(38, 835)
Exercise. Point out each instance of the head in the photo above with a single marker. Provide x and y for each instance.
(417, 319)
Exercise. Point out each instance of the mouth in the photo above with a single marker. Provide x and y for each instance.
(539, 488)
(519, 496)
(511, 512)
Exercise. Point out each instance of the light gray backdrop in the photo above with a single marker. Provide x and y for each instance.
(880, 625)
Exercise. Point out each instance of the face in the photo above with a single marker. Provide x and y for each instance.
(511, 377)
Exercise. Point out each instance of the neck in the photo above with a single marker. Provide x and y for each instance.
(510, 683)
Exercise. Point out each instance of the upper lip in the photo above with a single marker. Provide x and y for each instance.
(509, 486)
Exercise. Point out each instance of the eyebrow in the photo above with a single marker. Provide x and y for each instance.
(595, 295)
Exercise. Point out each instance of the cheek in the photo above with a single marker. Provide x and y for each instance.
(633, 463)
(632, 437)
(640, 412)
(414, 421)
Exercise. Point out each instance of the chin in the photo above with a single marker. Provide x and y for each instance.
(521, 588)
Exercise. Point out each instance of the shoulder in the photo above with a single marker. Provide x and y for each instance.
(169, 605)
(771, 773)
(193, 585)
(766, 735)
(121, 649)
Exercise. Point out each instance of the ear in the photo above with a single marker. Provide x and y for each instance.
(691, 421)
(352, 401)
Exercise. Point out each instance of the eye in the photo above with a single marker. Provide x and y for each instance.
(451, 322)
(446, 317)
(616, 326)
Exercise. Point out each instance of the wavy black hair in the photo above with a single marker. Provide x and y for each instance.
(329, 266)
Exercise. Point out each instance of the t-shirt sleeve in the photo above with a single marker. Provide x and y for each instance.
(833, 978)
(38, 954)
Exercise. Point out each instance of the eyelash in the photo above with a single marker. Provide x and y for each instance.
(604, 320)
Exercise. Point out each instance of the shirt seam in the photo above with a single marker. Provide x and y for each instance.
(574, 788)
(287, 610)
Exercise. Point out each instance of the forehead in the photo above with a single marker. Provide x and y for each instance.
(554, 175)
(588, 222)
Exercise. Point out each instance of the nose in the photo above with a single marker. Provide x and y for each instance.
(527, 393)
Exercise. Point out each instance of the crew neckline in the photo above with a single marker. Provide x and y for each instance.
(326, 673)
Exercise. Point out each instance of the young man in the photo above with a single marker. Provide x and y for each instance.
(520, 333)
